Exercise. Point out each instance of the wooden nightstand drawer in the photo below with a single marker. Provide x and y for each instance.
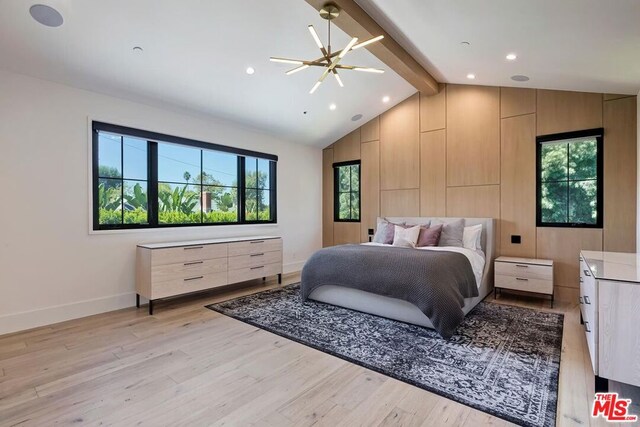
(530, 271)
(524, 284)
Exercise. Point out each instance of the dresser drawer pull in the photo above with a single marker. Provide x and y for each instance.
(193, 263)
(257, 268)
(586, 327)
(262, 254)
(521, 279)
(257, 241)
(194, 278)
(580, 299)
(587, 300)
(522, 266)
(193, 247)
(586, 272)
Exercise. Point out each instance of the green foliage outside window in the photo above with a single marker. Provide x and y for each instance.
(569, 182)
(347, 192)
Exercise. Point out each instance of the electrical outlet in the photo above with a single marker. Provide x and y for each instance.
(516, 239)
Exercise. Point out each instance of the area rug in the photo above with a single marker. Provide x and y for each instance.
(503, 360)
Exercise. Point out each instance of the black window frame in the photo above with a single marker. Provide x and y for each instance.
(598, 134)
(336, 191)
(153, 139)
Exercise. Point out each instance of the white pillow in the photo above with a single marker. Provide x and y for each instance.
(471, 237)
(406, 237)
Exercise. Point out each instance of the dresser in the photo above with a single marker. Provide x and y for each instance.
(524, 274)
(170, 269)
(610, 312)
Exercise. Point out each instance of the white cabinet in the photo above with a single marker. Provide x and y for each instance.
(610, 312)
(177, 268)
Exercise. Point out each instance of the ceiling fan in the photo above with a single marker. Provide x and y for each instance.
(329, 60)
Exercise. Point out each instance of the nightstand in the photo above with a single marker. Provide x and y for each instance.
(524, 274)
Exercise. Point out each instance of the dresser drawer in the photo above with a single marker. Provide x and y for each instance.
(524, 284)
(185, 285)
(254, 246)
(183, 270)
(250, 273)
(188, 253)
(529, 271)
(254, 260)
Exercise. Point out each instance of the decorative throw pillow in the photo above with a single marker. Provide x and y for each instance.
(406, 237)
(429, 236)
(471, 237)
(452, 233)
(385, 232)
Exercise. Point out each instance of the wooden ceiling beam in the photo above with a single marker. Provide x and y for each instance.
(354, 21)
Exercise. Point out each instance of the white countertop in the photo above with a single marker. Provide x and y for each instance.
(203, 242)
(613, 265)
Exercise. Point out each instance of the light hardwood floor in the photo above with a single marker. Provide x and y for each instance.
(188, 365)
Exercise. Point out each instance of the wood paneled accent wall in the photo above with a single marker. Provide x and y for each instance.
(471, 151)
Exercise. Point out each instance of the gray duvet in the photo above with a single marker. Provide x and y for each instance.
(437, 282)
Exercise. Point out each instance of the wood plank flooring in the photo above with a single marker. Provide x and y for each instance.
(187, 365)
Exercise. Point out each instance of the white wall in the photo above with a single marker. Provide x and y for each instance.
(638, 177)
(51, 267)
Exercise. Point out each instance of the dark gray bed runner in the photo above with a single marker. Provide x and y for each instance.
(435, 281)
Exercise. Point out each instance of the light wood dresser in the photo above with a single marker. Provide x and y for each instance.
(524, 274)
(610, 312)
(176, 268)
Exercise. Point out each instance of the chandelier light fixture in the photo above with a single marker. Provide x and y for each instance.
(330, 60)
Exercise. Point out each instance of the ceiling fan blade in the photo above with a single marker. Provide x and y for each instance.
(367, 42)
(286, 60)
(338, 79)
(316, 38)
(295, 70)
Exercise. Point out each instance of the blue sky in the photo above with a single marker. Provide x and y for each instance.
(173, 160)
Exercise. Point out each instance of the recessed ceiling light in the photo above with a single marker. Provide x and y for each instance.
(138, 50)
(332, 107)
(250, 70)
(511, 57)
(385, 99)
(356, 117)
(46, 15)
(471, 76)
(520, 78)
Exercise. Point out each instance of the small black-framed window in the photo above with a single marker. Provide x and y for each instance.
(346, 184)
(145, 179)
(569, 178)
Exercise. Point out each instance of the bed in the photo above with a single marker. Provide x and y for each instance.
(401, 309)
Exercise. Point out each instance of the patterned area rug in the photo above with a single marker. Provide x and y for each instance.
(503, 360)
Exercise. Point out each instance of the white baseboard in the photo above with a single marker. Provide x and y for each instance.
(47, 316)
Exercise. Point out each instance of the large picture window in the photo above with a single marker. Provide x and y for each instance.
(346, 179)
(144, 179)
(569, 179)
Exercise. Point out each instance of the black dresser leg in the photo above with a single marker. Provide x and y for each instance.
(280, 279)
(581, 319)
(138, 300)
(602, 385)
(150, 307)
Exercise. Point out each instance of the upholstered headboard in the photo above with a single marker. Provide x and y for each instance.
(488, 241)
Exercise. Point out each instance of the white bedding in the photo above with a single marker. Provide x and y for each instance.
(476, 257)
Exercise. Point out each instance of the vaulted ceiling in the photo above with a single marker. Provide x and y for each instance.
(196, 53)
(195, 56)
